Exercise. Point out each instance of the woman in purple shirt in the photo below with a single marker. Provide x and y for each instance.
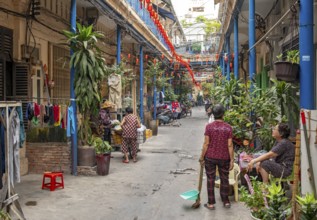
(217, 152)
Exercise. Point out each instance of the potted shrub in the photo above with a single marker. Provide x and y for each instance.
(254, 199)
(278, 206)
(308, 207)
(103, 155)
(89, 68)
(288, 70)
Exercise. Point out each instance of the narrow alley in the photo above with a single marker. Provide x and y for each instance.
(148, 189)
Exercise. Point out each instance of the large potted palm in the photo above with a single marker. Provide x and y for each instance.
(89, 72)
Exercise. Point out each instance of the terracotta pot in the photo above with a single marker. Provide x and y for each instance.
(86, 156)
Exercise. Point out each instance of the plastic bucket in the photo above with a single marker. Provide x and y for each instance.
(103, 164)
(190, 195)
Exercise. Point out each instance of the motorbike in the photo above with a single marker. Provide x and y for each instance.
(165, 116)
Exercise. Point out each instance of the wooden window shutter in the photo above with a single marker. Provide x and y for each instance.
(6, 42)
(2, 73)
(21, 85)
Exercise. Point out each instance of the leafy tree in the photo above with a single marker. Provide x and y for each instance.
(89, 68)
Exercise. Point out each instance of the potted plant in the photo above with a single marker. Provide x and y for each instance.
(308, 207)
(103, 155)
(288, 70)
(278, 206)
(254, 199)
(89, 67)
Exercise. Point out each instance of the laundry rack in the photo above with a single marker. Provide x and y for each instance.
(8, 198)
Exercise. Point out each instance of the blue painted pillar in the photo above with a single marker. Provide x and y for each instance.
(306, 51)
(223, 65)
(229, 57)
(154, 97)
(118, 44)
(73, 14)
(252, 59)
(141, 84)
(236, 48)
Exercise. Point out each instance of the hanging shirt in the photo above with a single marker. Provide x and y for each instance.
(70, 122)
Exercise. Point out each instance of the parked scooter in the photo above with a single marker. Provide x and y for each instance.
(165, 117)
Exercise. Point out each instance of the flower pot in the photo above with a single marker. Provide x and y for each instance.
(86, 156)
(103, 163)
(286, 71)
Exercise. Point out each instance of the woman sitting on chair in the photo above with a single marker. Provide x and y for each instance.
(279, 160)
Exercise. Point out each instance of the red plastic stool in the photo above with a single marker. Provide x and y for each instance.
(53, 184)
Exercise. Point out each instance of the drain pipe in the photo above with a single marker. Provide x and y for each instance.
(306, 51)
(223, 65)
(252, 59)
(73, 13)
(236, 48)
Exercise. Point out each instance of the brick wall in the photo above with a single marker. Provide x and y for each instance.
(48, 157)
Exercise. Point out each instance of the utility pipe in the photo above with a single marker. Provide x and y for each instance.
(252, 59)
(306, 51)
(141, 84)
(118, 44)
(73, 14)
(236, 48)
(223, 66)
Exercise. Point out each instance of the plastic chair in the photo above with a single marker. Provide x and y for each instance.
(233, 181)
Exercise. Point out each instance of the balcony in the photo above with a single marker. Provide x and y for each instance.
(145, 16)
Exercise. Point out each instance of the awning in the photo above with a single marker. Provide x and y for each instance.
(164, 13)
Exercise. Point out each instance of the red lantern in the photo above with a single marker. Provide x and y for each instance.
(149, 7)
(151, 14)
(148, 1)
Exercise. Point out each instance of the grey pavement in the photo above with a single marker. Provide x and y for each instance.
(146, 190)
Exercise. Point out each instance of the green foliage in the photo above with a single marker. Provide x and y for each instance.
(89, 68)
(154, 69)
(169, 94)
(292, 56)
(278, 205)
(185, 24)
(211, 25)
(196, 47)
(101, 146)
(287, 100)
(308, 207)
(4, 216)
(254, 201)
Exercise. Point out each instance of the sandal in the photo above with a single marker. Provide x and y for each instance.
(210, 207)
(227, 205)
(125, 161)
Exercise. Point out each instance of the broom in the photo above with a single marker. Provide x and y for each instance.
(197, 203)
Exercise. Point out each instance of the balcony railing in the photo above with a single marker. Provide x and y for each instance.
(145, 16)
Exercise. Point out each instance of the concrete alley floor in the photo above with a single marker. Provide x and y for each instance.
(146, 190)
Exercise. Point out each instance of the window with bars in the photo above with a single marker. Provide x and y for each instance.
(61, 72)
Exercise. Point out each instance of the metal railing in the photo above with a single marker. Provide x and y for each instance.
(145, 16)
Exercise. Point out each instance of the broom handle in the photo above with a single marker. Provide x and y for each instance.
(201, 172)
(296, 174)
(308, 152)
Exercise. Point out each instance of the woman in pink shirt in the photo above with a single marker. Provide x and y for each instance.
(217, 151)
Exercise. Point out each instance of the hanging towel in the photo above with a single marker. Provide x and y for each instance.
(71, 123)
(22, 131)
